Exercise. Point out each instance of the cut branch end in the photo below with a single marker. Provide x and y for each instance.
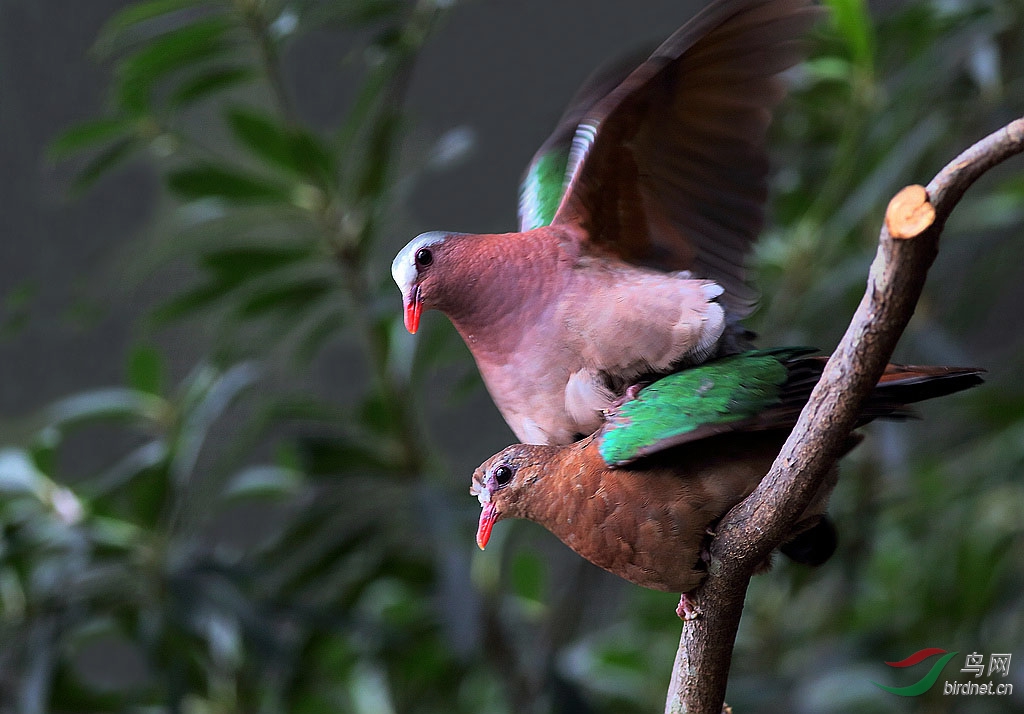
(909, 213)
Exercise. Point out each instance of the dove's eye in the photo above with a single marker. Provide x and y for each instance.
(424, 257)
(502, 475)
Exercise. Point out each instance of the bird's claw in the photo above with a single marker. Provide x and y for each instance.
(687, 608)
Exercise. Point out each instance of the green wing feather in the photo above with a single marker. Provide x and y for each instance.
(546, 180)
(695, 403)
(542, 188)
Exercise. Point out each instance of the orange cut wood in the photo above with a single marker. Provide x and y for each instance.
(909, 213)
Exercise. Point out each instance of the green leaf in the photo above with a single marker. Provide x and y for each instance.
(361, 12)
(104, 162)
(231, 268)
(19, 475)
(87, 134)
(263, 482)
(290, 149)
(16, 307)
(307, 408)
(320, 329)
(135, 14)
(104, 404)
(321, 456)
(234, 265)
(828, 69)
(208, 393)
(315, 158)
(376, 162)
(20, 296)
(437, 345)
(43, 449)
(852, 19)
(528, 575)
(380, 415)
(264, 137)
(295, 297)
(175, 50)
(189, 303)
(146, 370)
(203, 85)
(330, 552)
(115, 533)
(224, 183)
(367, 100)
(141, 462)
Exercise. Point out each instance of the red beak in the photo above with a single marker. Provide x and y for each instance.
(413, 310)
(488, 515)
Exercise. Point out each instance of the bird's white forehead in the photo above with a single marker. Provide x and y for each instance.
(483, 495)
(403, 267)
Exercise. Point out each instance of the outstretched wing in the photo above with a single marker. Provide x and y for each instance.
(542, 187)
(545, 179)
(669, 169)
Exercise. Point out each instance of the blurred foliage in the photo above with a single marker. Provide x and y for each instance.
(249, 547)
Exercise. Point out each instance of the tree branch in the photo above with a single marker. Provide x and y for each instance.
(754, 528)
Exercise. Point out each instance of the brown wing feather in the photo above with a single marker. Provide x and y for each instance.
(675, 176)
(595, 88)
(899, 386)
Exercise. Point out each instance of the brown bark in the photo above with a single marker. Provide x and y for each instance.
(907, 246)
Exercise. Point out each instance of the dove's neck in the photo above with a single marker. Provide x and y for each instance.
(501, 286)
